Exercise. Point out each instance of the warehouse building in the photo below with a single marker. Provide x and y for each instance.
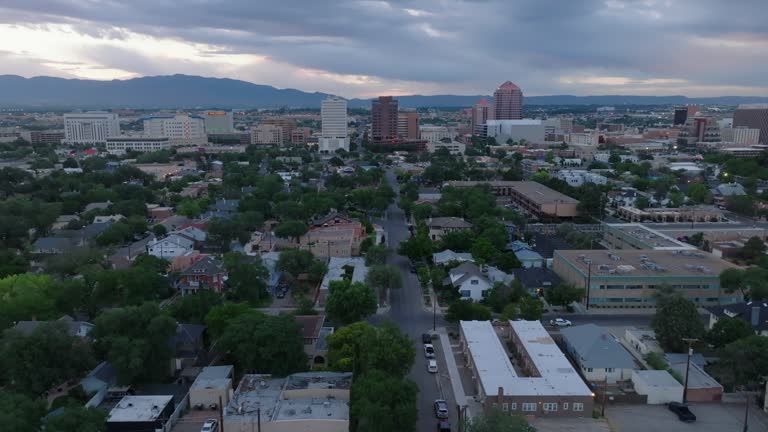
(532, 197)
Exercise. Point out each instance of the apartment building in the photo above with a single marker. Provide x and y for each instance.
(532, 197)
(90, 127)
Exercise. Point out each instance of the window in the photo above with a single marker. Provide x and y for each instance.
(465, 293)
(608, 370)
(495, 405)
(514, 406)
(505, 407)
(589, 369)
(578, 406)
(474, 282)
(550, 406)
(529, 406)
(565, 406)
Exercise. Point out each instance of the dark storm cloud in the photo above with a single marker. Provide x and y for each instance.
(475, 43)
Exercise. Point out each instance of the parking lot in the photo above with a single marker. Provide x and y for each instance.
(710, 417)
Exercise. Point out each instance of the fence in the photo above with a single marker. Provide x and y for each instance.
(180, 409)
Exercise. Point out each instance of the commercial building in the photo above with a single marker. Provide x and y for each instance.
(544, 384)
(680, 116)
(267, 134)
(637, 236)
(578, 178)
(754, 116)
(141, 413)
(508, 102)
(683, 214)
(453, 147)
(46, 137)
(333, 115)
(313, 401)
(183, 127)
(219, 122)
(532, 197)
(741, 135)
(631, 278)
(286, 124)
(658, 386)
(300, 135)
(533, 166)
(434, 134)
(121, 144)
(213, 384)
(531, 131)
(384, 119)
(481, 113)
(408, 125)
(698, 129)
(90, 127)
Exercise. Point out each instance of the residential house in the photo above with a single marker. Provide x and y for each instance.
(206, 272)
(470, 281)
(187, 344)
(448, 256)
(598, 354)
(156, 212)
(195, 190)
(440, 226)
(97, 382)
(536, 279)
(526, 255)
(352, 268)
(171, 246)
(193, 231)
(315, 333)
(726, 190)
(52, 246)
(73, 326)
(63, 221)
(108, 218)
(333, 236)
(222, 209)
(754, 312)
(97, 206)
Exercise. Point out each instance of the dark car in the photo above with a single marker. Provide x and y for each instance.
(682, 411)
(443, 426)
(426, 338)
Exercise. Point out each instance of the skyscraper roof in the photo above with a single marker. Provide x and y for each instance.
(508, 85)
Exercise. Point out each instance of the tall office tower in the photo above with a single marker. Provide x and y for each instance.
(481, 113)
(90, 127)
(408, 125)
(285, 123)
(175, 127)
(219, 122)
(384, 114)
(508, 102)
(693, 110)
(333, 117)
(681, 115)
(753, 116)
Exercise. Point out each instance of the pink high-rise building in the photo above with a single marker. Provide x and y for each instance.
(481, 113)
(508, 102)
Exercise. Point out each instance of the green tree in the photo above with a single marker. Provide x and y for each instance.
(25, 296)
(78, 419)
(291, 229)
(531, 308)
(751, 282)
(246, 278)
(642, 203)
(12, 263)
(135, 341)
(294, 262)
(343, 342)
(349, 302)
(305, 306)
(219, 317)
(699, 194)
(483, 251)
(747, 358)
(417, 247)
(466, 310)
(506, 261)
(511, 311)
(753, 250)
(676, 318)
(265, 343)
(727, 330)
(563, 295)
(457, 241)
(383, 278)
(159, 230)
(497, 421)
(19, 413)
(47, 357)
(422, 211)
(383, 403)
(150, 263)
(193, 308)
(376, 254)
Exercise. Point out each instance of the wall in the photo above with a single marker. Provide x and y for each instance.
(208, 396)
(315, 425)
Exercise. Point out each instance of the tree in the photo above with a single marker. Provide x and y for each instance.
(727, 330)
(511, 311)
(12, 263)
(457, 241)
(382, 403)
(265, 343)
(531, 308)
(642, 203)
(193, 308)
(291, 229)
(751, 282)
(422, 211)
(247, 278)
(343, 342)
(294, 262)
(483, 251)
(699, 194)
(676, 318)
(78, 419)
(19, 413)
(47, 357)
(747, 358)
(135, 340)
(417, 247)
(506, 261)
(25, 296)
(349, 302)
(466, 310)
(305, 306)
(497, 421)
(383, 278)
(159, 230)
(696, 239)
(376, 254)
(753, 249)
(150, 263)
(563, 295)
(219, 317)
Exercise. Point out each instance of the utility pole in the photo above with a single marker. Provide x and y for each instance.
(258, 418)
(434, 311)
(221, 415)
(746, 414)
(605, 395)
(687, 367)
(589, 282)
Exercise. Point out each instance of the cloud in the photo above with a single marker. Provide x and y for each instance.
(360, 48)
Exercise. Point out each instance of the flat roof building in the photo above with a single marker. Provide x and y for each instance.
(637, 236)
(121, 144)
(534, 198)
(630, 278)
(139, 413)
(545, 384)
(90, 127)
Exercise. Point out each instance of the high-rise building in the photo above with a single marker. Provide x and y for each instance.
(681, 115)
(741, 135)
(384, 118)
(508, 102)
(753, 116)
(481, 113)
(408, 125)
(693, 110)
(333, 117)
(219, 122)
(300, 135)
(175, 127)
(267, 134)
(286, 124)
(434, 134)
(698, 129)
(566, 124)
(90, 127)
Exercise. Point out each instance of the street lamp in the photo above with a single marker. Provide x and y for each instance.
(687, 367)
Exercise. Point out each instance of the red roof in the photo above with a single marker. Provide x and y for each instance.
(483, 102)
(508, 85)
(91, 151)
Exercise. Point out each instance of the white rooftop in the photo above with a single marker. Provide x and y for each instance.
(139, 408)
(491, 362)
(336, 270)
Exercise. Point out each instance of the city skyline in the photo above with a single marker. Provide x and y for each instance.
(618, 47)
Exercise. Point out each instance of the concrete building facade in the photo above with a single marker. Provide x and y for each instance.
(531, 131)
(754, 116)
(90, 127)
(267, 134)
(532, 197)
(219, 122)
(384, 119)
(482, 111)
(175, 127)
(121, 144)
(408, 125)
(333, 117)
(508, 102)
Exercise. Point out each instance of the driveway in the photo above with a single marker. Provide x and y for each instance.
(711, 417)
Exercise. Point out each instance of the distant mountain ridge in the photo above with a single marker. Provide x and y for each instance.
(185, 91)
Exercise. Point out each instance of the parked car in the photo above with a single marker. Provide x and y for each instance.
(443, 426)
(432, 366)
(280, 294)
(441, 409)
(560, 322)
(426, 338)
(682, 411)
(429, 350)
(210, 425)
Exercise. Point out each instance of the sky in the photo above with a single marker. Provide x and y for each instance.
(366, 48)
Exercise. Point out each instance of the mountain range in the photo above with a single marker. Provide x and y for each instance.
(185, 91)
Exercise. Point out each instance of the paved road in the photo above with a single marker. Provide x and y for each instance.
(407, 312)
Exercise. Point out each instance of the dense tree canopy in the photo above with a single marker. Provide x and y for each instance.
(350, 302)
(676, 318)
(383, 403)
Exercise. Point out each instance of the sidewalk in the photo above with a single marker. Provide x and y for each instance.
(453, 372)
